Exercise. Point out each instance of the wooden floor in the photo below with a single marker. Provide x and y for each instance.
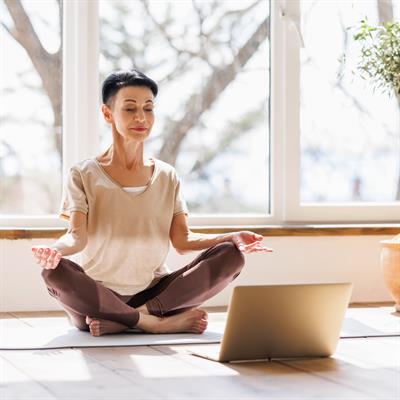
(360, 369)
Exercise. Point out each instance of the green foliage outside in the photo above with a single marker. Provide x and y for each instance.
(380, 55)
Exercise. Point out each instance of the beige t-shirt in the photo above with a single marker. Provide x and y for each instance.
(128, 233)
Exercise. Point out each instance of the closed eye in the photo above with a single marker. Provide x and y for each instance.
(131, 109)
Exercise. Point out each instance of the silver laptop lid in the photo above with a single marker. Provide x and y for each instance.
(284, 321)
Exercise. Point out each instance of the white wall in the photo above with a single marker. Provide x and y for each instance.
(295, 260)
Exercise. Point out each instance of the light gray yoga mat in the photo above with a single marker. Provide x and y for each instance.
(15, 335)
(55, 333)
(56, 338)
(370, 322)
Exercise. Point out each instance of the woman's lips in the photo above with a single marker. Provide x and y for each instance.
(138, 129)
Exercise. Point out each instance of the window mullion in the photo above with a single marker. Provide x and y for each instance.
(289, 16)
(277, 112)
(80, 82)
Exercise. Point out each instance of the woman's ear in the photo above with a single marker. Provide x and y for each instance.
(107, 113)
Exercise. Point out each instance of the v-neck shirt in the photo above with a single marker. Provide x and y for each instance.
(128, 230)
(134, 190)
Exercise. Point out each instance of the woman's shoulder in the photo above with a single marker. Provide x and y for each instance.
(165, 168)
(84, 165)
(84, 170)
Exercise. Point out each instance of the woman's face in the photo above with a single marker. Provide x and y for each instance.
(131, 109)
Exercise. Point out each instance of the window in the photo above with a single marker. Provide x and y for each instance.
(343, 143)
(261, 129)
(349, 133)
(30, 110)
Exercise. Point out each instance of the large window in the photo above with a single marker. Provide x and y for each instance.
(256, 110)
(31, 107)
(342, 137)
(211, 60)
(350, 139)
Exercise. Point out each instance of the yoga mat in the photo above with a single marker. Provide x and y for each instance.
(20, 338)
(55, 333)
(370, 322)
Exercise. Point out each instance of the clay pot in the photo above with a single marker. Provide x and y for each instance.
(390, 263)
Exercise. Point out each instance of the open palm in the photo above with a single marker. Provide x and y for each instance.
(46, 257)
(249, 242)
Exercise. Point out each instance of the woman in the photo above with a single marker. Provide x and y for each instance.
(123, 210)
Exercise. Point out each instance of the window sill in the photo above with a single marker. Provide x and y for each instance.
(265, 230)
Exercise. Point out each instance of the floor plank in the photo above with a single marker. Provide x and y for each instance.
(71, 374)
(15, 384)
(38, 314)
(164, 377)
(361, 365)
(12, 322)
(6, 315)
(43, 322)
(373, 304)
(260, 379)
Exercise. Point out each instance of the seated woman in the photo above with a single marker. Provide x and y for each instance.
(123, 209)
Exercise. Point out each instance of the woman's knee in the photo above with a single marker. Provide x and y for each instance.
(233, 252)
(50, 273)
(233, 258)
(59, 275)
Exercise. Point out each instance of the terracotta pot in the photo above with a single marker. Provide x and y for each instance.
(390, 263)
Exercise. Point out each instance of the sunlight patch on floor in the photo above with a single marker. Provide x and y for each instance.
(145, 365)
(50, 365)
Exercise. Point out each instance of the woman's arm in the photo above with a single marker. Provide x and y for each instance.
(185, 241)
(75, 239)
(72, 242)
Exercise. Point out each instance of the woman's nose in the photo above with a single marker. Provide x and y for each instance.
(140, 117)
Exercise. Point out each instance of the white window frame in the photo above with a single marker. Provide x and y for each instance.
(81, 122)
(276, 139)
(80, 109)
(295, 211)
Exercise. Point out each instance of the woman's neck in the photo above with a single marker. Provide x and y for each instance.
(125, 158)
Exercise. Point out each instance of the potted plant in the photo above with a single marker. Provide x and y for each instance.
(380, 63)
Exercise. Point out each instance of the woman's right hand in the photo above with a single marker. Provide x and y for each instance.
(46, 257)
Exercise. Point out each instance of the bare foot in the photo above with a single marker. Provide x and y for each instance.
(193, 321)
(100, 327)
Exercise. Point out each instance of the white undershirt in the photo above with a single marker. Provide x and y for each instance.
(135, 190)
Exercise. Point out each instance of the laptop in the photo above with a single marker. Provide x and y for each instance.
(282, 321)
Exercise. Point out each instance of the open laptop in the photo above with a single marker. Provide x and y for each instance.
(282, 321)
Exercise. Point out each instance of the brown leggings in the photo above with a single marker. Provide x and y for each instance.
(79, 295)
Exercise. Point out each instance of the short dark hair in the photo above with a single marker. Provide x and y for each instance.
(119, 79)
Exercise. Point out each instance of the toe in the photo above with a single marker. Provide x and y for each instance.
(204, 314)
(88, 319)
(94, 328)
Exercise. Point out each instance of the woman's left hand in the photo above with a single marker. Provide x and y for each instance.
(249, 242)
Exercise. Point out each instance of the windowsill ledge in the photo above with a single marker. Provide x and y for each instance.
(265, 230)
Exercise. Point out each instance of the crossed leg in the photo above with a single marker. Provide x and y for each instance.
(188, 287)
(80, 296)
(91, 306)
